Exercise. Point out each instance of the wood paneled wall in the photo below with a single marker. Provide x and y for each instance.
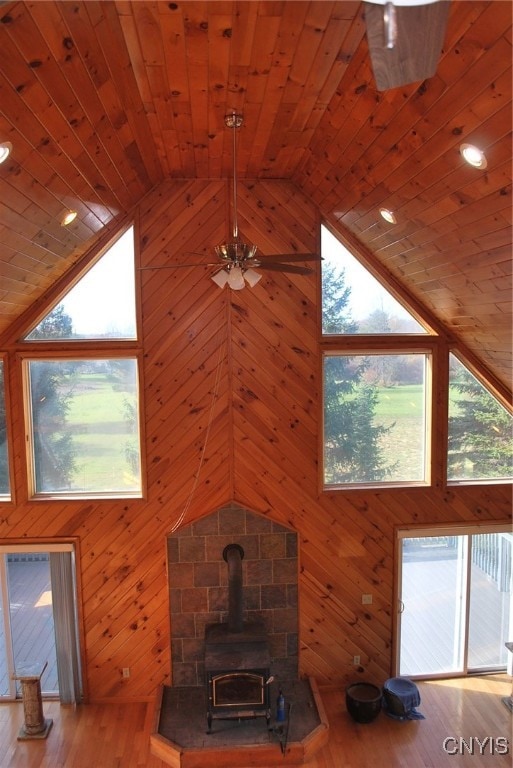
(231, 414)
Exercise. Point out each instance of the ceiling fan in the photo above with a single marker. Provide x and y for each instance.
(405, 39)
(237, 260)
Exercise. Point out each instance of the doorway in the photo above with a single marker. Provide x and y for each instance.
(454, 590)
(38, 619)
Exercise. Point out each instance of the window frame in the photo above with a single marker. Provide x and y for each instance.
(98, 351)
(372, 345)
(503, 402)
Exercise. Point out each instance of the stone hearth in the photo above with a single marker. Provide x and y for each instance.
(180, 738)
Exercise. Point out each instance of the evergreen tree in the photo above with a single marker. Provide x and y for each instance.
(351, 440)
(4, 463)
(480, 432)
(51, 388)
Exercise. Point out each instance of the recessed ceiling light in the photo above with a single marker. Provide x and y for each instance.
(473, 156)
(5, 150)
(68, 217)
(388, 215)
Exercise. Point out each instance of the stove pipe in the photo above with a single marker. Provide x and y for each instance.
(233, 554)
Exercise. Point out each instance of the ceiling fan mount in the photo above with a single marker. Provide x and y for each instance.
(239, 260)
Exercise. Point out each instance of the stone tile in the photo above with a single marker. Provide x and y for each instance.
(181, 575)
(206, 574)
(218, 599)
(291, 546)
(273, 545)
(284, 571)
(274, 595)
(184, 674)
(292, 596)
(251, 598)
(177, 650)
(194, 600)
(175, 601)
(258, 523)
(193, 649)
(258, 571)
(292, 644)
(172, 549)
(285, 620)
(232, 521)
(192, 549)
(183, 625)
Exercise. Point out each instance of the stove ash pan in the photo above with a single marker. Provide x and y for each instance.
(237, 657)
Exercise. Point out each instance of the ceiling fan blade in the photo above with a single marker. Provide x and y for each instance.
(179, 266)
(413, 53)
(289, 257)
(281, 267)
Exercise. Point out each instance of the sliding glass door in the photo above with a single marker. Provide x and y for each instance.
(454, 601)
(38, 619)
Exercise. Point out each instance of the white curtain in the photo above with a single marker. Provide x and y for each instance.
(65, 622)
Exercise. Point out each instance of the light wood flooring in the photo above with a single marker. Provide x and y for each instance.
(117, 735)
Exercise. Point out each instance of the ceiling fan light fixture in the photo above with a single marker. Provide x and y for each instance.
(252, 277)
(236, 279)
(5, 150)
(473, 156)
(220, 278)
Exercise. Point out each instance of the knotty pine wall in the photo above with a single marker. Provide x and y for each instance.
(231, 414)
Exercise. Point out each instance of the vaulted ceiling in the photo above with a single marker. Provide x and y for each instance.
(102, 101)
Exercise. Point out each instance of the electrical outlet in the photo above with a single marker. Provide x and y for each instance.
(356, 661)
(366, 599)
(126, 671)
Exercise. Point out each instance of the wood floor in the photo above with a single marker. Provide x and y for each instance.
(117, 736)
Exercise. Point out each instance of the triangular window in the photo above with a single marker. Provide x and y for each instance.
(101, 305)
(355, 302)
(480, 430)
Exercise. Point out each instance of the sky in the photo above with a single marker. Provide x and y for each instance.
(104, 298)
(363, 284)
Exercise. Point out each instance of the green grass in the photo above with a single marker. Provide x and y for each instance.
(400, 401)
(96, 419)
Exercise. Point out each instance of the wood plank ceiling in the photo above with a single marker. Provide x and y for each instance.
(102, 101)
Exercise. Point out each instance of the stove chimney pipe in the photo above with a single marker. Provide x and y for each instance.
(233, 554)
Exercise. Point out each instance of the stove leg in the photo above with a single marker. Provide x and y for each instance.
(209, 722)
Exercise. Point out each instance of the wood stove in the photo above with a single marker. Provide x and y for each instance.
(237, 656)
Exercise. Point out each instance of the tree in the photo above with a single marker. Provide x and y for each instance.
(351, 440)
(51, 387)
(4, 462)
(480, 431)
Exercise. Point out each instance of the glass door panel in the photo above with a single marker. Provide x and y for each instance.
(31, 615)
(432, 621)
(455, 603)
(490, 601)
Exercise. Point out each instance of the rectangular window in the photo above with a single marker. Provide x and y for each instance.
(84, 426)
(375, 418)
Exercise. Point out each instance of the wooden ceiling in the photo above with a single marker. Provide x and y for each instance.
(102, 101)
